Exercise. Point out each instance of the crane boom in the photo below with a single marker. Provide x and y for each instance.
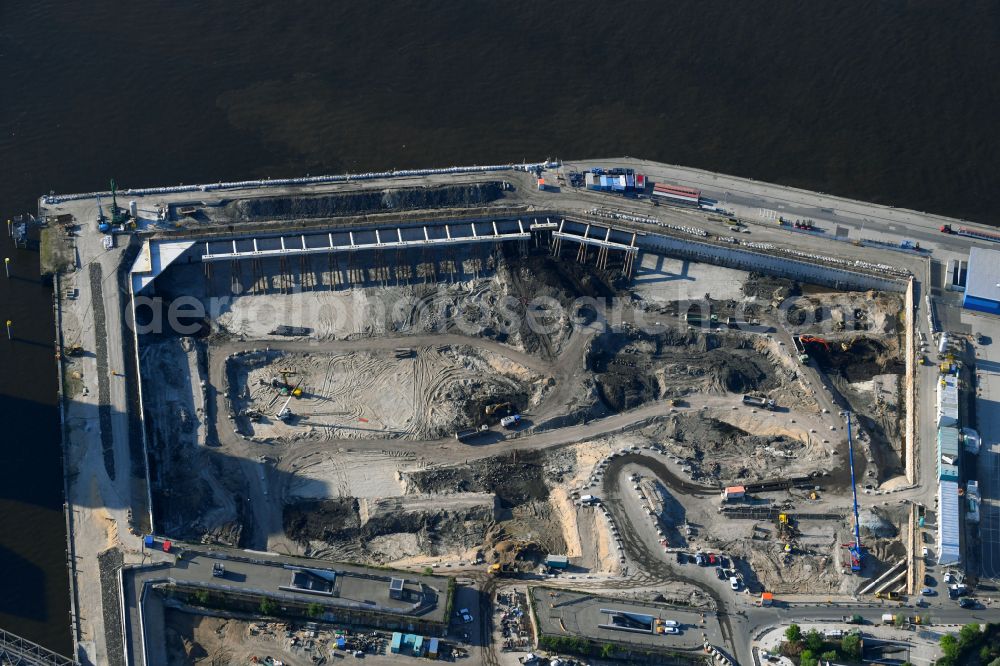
(856, 550)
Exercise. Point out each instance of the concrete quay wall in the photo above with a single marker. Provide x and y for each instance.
(742, 259)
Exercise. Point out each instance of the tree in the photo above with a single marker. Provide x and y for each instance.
(314, 610)
(814, 641)
(201, 596)
(793, 633)
(829, 655)
(995, 662)
(850, 645)
(808, 659)
(428, 570)
(968, 635)
(607, 651)
(267, 607)
(985, 654)
(949, 646)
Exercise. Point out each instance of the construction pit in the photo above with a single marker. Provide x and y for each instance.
(319, 419)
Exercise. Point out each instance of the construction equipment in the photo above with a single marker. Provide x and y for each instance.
(284, 414)
(855, 549)
(757, 401)
(497, 408)
(118, 216)
(102, 222)
(812, 338)
(786, 530)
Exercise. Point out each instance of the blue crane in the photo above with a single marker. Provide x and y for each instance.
(855, 549)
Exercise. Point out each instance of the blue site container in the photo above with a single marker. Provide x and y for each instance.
(148, 541)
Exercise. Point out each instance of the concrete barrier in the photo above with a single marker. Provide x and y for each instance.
(307, 180)
(910, 435)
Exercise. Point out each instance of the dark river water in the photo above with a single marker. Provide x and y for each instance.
(892, 101)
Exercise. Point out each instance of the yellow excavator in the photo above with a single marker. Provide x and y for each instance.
(497, 407)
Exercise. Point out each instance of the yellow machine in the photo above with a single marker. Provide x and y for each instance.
(498, 407)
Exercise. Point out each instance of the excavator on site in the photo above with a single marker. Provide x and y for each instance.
(498, 408)
(812, 338)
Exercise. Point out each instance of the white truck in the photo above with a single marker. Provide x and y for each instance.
(511, 421)
(757, 401)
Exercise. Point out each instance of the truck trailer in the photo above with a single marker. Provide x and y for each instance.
(757, 401)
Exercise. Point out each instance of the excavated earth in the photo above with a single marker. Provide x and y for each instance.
(363, 201)
(632, 367)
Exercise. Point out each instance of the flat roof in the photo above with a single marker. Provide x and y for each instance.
(983, 279)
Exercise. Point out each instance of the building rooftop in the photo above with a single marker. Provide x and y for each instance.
(983, 279)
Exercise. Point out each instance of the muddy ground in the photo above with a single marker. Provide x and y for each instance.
(513, 481)
(717, 452)
(499, 507)
(632, 367)
(390, 529)
(432, 393)
(363, 201)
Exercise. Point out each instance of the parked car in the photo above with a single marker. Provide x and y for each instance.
(734, 582)
(681, 558)
(966, 602)
(927, 592)
(720, 573)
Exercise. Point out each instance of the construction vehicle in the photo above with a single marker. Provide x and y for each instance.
(757, 401)
(102, 222)
(499, 569)
(511, 421)
(811, 338)
(856, 550)
(498, 408)
(253, 414)
(285, 413)
(119, 216)
(786, 530)
(970, 233)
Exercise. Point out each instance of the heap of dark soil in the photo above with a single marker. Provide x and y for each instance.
(627, 379)
(770, 287)
(364, 201)
(338, 522)
(513, 482)
(865, 358)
